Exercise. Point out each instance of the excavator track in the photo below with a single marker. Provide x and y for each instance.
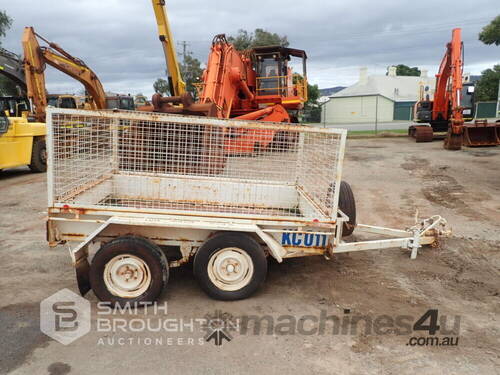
(421, 133)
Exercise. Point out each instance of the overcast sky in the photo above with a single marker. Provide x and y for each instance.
(118, 38)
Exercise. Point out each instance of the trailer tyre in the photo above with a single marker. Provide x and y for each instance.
(38, 156)
(129, 269)
(347, 205)
(230, 266)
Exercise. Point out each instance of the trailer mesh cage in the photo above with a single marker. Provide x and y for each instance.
(150, 162)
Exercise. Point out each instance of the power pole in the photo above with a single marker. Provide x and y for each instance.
(184, 45)
(498, 100)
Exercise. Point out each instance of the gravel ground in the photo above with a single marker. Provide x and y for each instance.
(391, 178)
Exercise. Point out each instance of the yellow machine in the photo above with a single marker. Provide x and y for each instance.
(177, 85)
(36, 57)
(63, 101)
(22, 141)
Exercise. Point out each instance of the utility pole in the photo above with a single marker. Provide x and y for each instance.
(498, 100)
(184, 45)
(376, 114)
(323, 112)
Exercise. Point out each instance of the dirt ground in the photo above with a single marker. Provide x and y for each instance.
(391, 178)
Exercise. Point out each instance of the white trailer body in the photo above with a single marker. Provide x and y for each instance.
(169, 179)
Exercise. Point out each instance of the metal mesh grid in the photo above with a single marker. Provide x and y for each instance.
(146, 161)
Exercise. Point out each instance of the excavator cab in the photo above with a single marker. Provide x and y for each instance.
(125, 102)
(62, 101)
(14, 106)
(276, 80)
(467, 101)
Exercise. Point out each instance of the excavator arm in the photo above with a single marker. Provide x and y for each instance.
(35, 59)
(452, 94)
(448, 92)
(441, 94)
(176, 84)
(34, 67)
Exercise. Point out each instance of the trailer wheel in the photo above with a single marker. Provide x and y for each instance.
(129, 269)
(347, 205)
(230, 266)
(38, 156)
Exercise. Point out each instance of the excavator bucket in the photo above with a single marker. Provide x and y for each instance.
(481, 133)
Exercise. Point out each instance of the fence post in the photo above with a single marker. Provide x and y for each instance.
(498, 100)
(324, 114)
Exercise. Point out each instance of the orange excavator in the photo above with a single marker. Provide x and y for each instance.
(256, 84)
(35, 59)
(445, 112)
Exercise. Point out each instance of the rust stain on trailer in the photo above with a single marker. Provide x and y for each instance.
(72, 236)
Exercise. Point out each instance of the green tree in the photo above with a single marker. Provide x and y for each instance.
(161, 86)
(259, 38)
(405, 70)
(312, 94)
(491, 32)
(487, 86)
(5, 24)
(191, 72)
(312, 110)
(242, 41)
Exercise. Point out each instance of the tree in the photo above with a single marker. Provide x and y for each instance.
(260, 37)
(242, 41)
(5, 23)
(161, 86)
(491, 32)
(405, 70)
(312, 94)
(487, 86)
(191, 72)
(312, 110)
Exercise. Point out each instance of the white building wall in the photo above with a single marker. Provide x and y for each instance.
(362, 109)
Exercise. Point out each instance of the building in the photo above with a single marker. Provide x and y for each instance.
(324, 94)
(378, 97)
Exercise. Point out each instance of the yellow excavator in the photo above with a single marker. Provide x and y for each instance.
(36, 58)
(22, 117)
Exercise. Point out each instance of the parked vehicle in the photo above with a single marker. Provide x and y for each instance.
(138, 193)
(22, 140)
(452, 105)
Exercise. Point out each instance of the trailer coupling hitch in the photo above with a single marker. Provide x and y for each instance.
(427, 232)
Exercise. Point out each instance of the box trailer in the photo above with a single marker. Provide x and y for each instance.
(134, 194)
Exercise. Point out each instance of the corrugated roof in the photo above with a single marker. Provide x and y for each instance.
(397, 88)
